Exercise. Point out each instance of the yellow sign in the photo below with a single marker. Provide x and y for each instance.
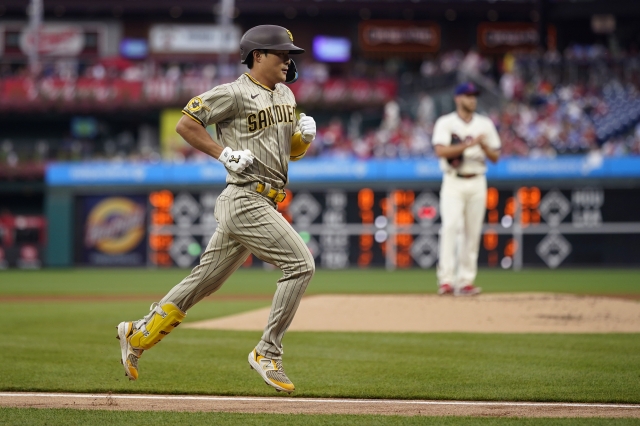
(115, 226)
(172, 145)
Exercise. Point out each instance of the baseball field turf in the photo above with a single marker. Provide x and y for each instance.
(59, 336)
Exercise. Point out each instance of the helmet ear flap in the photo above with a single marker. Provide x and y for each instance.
(292, 72)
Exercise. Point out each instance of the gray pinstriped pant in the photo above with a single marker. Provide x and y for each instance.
(249, 223)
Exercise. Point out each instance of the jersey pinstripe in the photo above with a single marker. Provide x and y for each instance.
(251, 116)
(248, 223)
(248, 116)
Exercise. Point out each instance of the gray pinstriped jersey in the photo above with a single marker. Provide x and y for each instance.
(251, 116)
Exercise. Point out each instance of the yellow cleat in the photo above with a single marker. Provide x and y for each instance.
(271, 372)
(136, 337)
(130, 355)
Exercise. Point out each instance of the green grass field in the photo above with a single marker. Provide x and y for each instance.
(259, 282)
(62, 417)
(69, 345)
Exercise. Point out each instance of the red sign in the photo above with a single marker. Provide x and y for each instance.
(499, 37)
(399, 36)
(54, 40)
(22, 239)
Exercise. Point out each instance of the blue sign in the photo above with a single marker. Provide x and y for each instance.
(339, 170)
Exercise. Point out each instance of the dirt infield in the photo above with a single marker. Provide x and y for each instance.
(487, 313)
(285, 405)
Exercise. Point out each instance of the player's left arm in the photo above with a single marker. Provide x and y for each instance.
(490, 143)
(301, 139)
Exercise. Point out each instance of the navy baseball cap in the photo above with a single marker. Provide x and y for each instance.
(467, 89)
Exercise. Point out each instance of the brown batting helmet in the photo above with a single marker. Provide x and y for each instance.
(267, 37)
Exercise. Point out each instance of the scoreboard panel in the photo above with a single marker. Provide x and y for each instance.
(180, 226)
(398, 227)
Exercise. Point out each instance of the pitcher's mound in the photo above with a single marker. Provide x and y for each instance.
(490, 313)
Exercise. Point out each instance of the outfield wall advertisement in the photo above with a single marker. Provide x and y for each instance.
(398, 227)
(111, 230)
(573, 211)
(339, 170)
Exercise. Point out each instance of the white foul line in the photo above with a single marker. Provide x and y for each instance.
(323, 400)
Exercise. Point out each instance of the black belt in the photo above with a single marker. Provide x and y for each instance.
(460, 175)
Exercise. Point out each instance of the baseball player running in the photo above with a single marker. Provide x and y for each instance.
(259, 134)
(463, 140)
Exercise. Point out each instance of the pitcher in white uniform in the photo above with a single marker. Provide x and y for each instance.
(463, 140)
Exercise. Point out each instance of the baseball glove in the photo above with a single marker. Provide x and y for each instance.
(455, 161)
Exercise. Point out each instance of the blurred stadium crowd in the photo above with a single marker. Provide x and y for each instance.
(584, 99)
(546, 105)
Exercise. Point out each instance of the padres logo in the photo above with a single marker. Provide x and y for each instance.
(290, 35)
(115, 226)
(195, 104)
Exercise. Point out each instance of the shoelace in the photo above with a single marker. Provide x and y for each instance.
(154, 308)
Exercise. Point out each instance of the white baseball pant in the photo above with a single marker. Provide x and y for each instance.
(462, 210)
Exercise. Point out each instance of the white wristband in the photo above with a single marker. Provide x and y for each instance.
(224, 156)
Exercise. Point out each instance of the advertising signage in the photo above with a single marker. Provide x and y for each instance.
(54, 39)
(112, 231)
(177, 39)
(399, 37)
(500, 37)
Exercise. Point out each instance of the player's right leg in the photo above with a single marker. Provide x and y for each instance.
(451, 214)
(221, 258)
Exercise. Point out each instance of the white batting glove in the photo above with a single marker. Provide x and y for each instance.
(307, 127)
(236, 161)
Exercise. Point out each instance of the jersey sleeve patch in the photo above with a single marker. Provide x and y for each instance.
(196, 104)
